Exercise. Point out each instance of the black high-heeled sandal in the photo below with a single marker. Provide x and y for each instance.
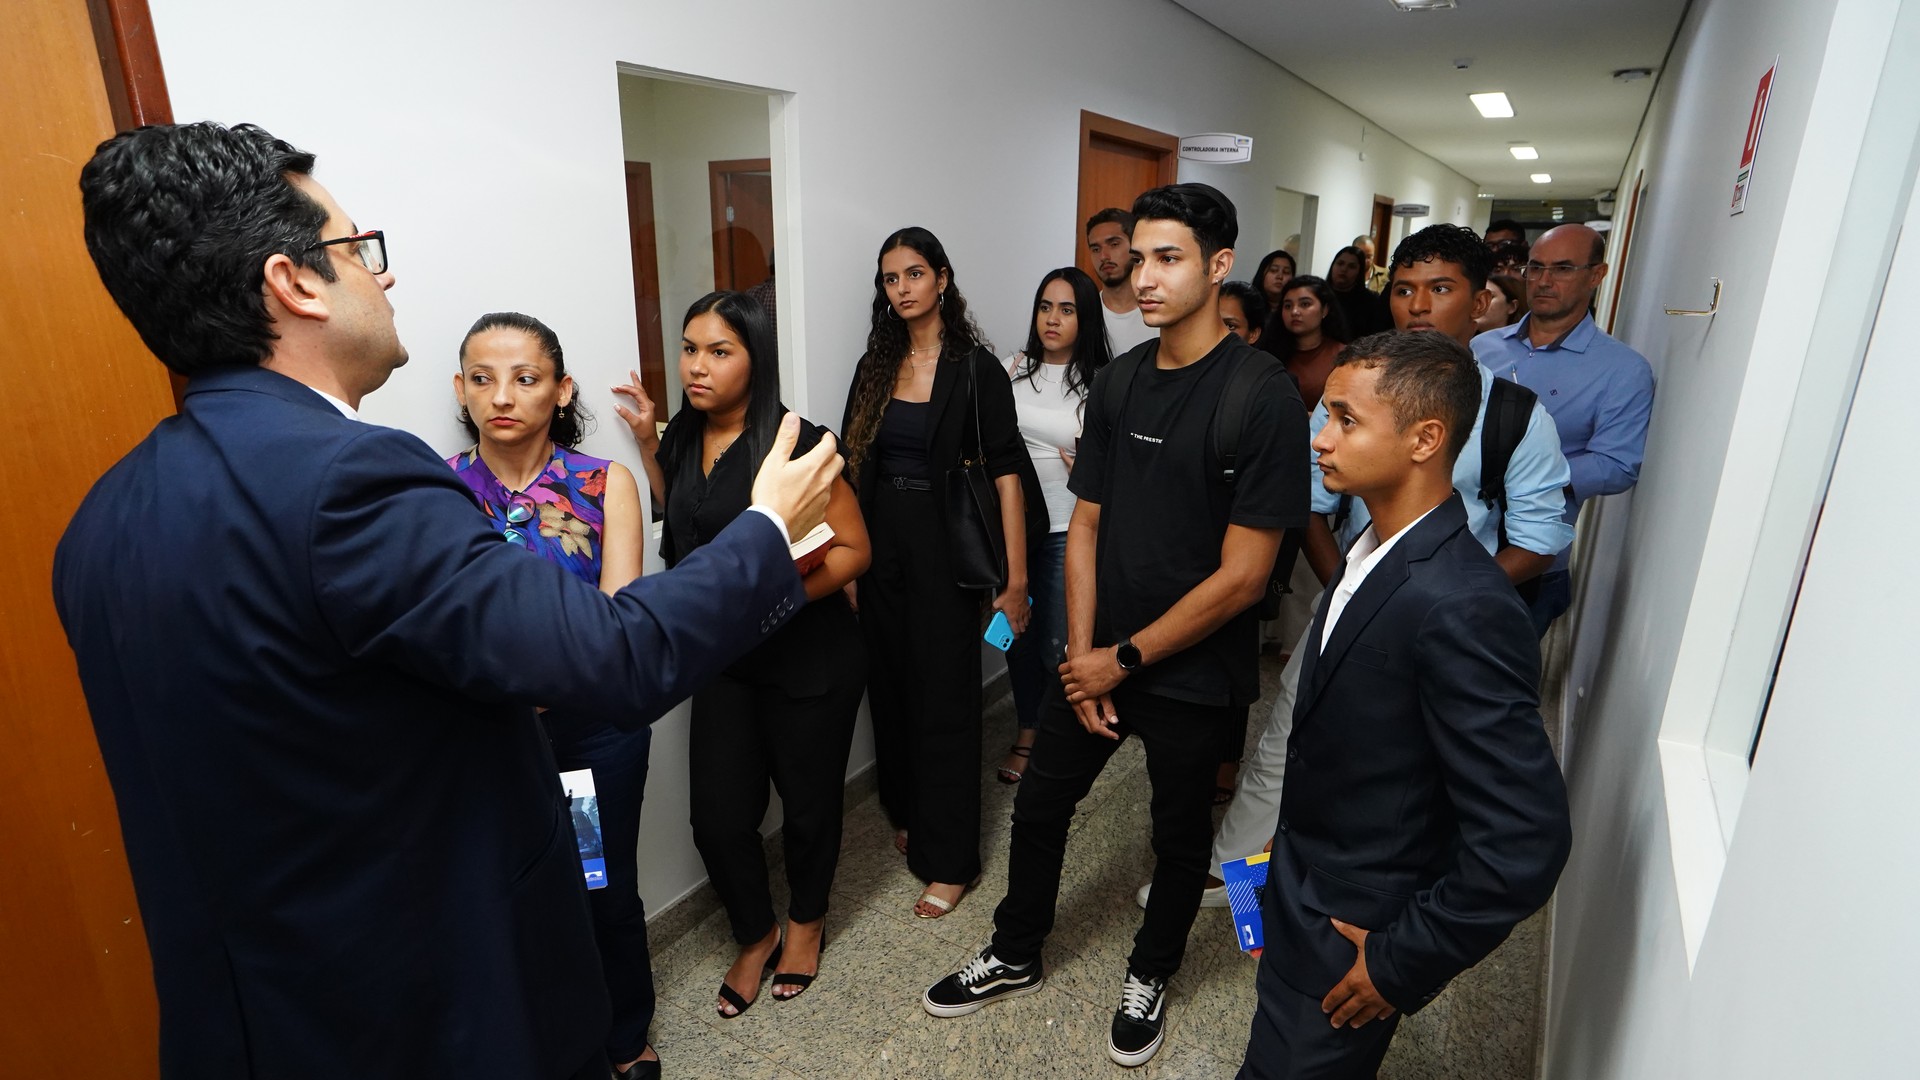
(1012, 776)
(732, 997)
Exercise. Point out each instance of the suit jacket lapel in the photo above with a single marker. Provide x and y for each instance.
(1385, 580)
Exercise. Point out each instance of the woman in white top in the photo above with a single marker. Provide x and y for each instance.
(1051, 379)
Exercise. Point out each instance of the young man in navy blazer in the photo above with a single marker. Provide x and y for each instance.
(312, 665)
(1424, 815)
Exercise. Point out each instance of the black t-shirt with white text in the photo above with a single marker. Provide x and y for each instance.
(1165, 508)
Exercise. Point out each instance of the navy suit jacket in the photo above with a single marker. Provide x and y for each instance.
(312, 667)
(1422, 801)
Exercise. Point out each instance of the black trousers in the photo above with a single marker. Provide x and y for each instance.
(619, 763)
(1293, 1040)
(923, 687)
(745, 734)
(1182, 742)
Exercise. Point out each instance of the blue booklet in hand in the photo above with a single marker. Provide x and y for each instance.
(586, 825)
(1244, 878)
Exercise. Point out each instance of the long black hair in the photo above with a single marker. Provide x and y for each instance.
(887, 341)
(1091, 351)
(571, 421)
(1259, 278)
(748, 320)
(1278, 340)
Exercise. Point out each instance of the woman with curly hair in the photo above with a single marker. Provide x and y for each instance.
(582, 513)
(925, 384)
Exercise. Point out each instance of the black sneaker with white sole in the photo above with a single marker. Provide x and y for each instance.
(985, 979)
(1140, 1022)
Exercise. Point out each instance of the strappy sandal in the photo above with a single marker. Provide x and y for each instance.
(1012, 776)
(732, 997)
(796, 979)
(944, 906)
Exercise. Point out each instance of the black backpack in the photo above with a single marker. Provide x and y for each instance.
(1249, 376)
(1509, 412)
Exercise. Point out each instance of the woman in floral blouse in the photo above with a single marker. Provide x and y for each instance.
(583, 514)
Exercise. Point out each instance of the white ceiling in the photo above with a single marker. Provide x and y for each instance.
(1554, 58)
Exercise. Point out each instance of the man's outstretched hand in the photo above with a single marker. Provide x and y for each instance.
(797, 488)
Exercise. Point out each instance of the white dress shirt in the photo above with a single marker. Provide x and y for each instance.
(1362, 557)
(346, 410)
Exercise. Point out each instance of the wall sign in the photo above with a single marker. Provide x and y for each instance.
(1217, 147)
(1743, 176)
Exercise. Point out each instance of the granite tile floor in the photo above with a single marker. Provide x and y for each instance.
(863, 1017)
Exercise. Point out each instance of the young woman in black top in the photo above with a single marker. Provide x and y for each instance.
(910, 417)
(785, 712)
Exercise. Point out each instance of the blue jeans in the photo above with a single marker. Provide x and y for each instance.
(1036, 656)
(619, 763)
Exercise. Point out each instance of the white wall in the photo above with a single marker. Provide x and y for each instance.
(486, 138)
(1802, 939)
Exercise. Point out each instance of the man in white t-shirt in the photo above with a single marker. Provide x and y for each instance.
(1109, 238)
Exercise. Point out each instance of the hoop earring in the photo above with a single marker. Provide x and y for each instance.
(465, 416)
(892, 312)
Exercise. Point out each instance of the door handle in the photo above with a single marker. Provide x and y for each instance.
(1713, 305)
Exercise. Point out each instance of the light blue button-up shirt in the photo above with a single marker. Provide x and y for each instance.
(1536, 481)
(1599, 390)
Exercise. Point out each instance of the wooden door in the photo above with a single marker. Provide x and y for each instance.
(77, 994)
(646, 283)
(1382, 230)
(742, 222)
(1118, 161)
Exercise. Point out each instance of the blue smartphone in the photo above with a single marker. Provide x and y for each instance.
(1000, 632)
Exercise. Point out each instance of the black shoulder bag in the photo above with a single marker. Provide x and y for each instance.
(973, 511)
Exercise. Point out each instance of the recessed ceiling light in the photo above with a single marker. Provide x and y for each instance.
(1542, 178)
(1423, 5)
(1524, 153)
(1625, 75)
(1494, 106)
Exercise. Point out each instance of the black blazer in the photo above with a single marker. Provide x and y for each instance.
(951, 432)
(1422, 799)
(312, 666)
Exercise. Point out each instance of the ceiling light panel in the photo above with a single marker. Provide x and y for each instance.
(1493, 106)
(1542, 178)
(1524, 153)
(1423, 5)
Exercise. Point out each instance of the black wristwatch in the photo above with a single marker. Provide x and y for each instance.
(1127, 654)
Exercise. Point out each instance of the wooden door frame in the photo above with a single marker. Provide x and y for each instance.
(717, 172)
(646, 276)
(1166, 146)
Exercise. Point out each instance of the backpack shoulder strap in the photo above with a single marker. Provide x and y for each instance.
(1249, 376)
(1509, 412)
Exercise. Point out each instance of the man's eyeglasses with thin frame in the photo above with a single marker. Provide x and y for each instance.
(1534, 271)
(370, 246)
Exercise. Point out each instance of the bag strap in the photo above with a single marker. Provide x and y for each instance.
(973, 406)
(1249, 376)
(1509, 414)
(1117, 387)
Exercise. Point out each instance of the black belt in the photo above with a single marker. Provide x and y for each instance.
(907, 483)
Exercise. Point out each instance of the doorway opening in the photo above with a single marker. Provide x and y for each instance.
(703, 207)
(1294, 216)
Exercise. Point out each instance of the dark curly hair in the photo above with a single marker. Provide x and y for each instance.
(887, 342)
(1454, 244)
(1091, 350)
(571, 421)
(180, 220)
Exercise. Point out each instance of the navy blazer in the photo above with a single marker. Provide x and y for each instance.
(312, 666)
(1422, 802)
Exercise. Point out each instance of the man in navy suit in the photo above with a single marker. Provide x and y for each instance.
(312, 665)
(1424, 815)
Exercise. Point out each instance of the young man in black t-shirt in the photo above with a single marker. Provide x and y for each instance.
(1164, 558)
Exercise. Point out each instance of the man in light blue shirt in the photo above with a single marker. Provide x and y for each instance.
(1598, 390)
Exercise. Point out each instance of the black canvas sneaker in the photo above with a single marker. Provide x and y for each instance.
(1139, 1023)
(985, 979)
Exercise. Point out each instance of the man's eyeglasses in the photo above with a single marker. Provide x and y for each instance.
(370, 246)
(1534, 271)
